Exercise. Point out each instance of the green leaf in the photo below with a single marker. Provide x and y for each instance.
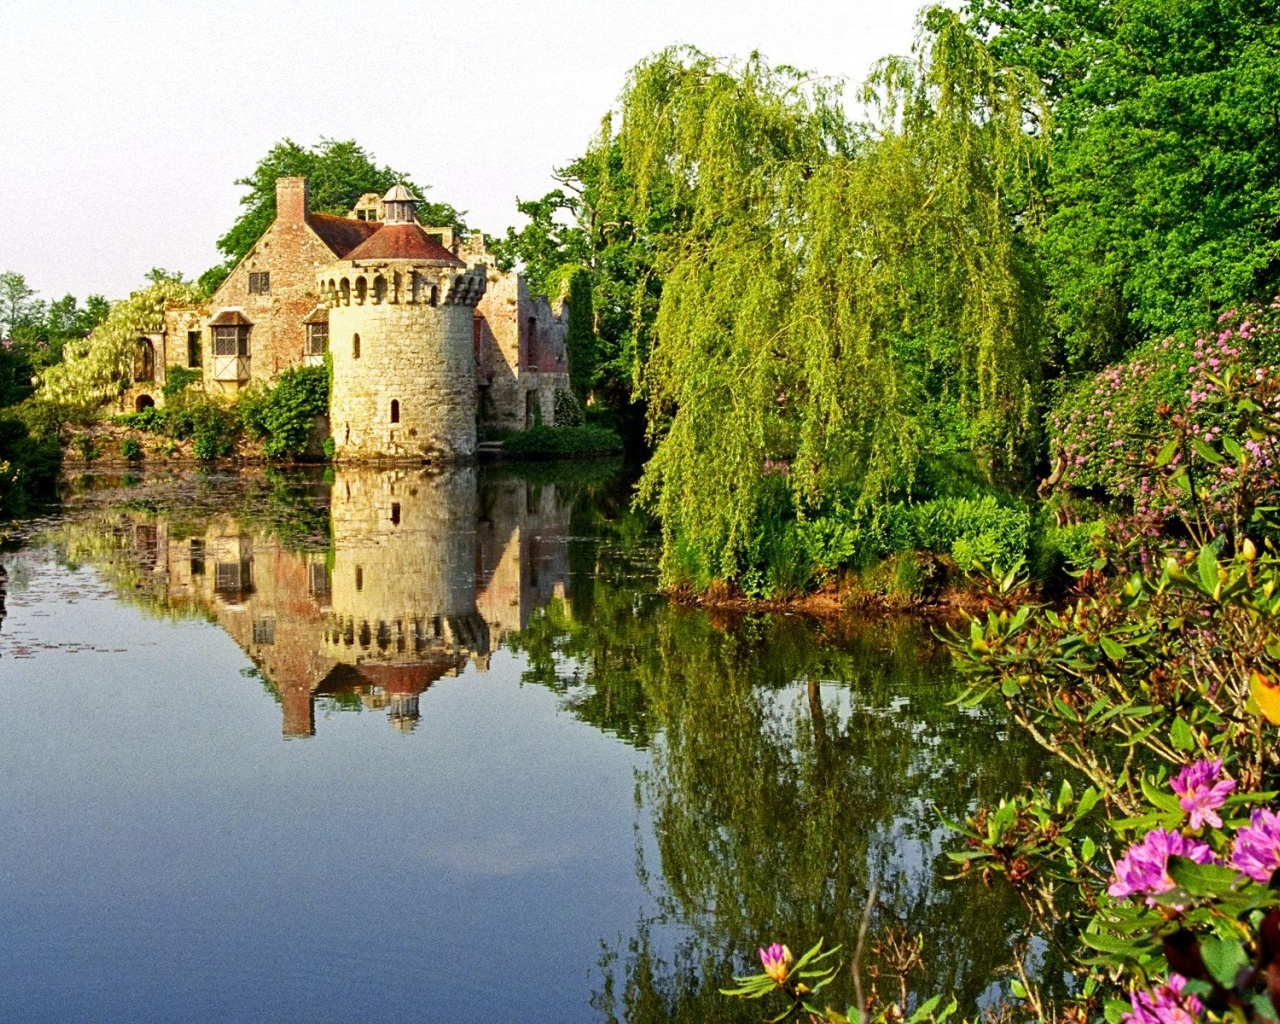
(1225, 958)
(1232, 447)
(1115, 1009)
(1065, 793)
(1205, 452)
(1181, 736)
(1113, 650)
(1167, 451)
(1207, 567)
(1165, 801)
(924, 1009)
(1202, 879)
(1018, 989)
(1088, 800)
(1087, 849)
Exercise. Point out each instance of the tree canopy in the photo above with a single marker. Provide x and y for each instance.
(1164, 194)
(838, 300)
(339, 173)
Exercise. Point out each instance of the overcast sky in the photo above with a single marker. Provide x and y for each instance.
(126, 123)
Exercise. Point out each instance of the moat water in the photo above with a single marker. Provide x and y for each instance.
(393, 746)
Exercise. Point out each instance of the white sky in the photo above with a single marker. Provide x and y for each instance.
(126, 123)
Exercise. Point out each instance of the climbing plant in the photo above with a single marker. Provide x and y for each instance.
(96, 369)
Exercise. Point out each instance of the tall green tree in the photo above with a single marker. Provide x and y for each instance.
(339, 172)
(1165, 190)
(21, 313)
(843, 300)
(591, 222)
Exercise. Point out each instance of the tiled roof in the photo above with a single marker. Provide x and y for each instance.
(230, 318)
(319, 315)
(402, 242)
(341, 234)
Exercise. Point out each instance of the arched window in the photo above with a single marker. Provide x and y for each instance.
(395, 410)
(362, 288)
(144, 402)
(355, 346)
(144, 364)
(435, 295)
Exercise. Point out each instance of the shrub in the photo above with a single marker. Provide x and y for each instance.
(131, 449)
(214, 431)
(291, 408)
(177, 380)
(568, 411)
(557, 442)
(88, 447)
(150, 421)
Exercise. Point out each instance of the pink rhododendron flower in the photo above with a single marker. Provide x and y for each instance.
(1144, 868)
(777, 961)
(1167, 1004)
(1201, 791)
(1257, 850)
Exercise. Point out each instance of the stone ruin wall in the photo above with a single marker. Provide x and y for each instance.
(506, 374)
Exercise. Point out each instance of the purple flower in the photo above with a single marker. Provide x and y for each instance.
(1257, 851)
(1201, 793)
(1166, 1004)
(777, 961)
(1144, 868)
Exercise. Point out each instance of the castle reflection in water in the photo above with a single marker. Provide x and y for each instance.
(424, 573)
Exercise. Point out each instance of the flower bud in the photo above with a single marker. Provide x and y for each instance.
(777, 961)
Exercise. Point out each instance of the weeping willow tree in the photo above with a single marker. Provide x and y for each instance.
(838, 300)
(96, 369)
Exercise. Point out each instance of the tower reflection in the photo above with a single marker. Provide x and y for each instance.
(424, 573)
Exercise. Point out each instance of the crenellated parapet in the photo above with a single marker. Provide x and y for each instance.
(401, 342)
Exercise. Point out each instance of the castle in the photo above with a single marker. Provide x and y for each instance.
(429, 340)
(426, 573)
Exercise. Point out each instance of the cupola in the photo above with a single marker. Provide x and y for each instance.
(399, 206)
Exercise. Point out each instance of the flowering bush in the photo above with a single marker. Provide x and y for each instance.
(1178, 411)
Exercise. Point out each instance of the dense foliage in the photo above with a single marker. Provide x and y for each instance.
(338, 173)
(1165, 176)
(556, 442)
(96, 369)
(843, 302)
(33, 335)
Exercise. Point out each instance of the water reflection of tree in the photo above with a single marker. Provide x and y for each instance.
(792, 766)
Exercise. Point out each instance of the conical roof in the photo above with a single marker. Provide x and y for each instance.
(400, 194)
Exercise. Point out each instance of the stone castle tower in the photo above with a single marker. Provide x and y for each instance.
(401, 310)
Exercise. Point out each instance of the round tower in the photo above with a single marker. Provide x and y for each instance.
(400, 333)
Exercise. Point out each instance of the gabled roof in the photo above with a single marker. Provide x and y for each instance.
(402, 242)
(319, 315)
(341, 234)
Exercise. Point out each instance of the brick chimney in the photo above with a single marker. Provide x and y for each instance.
(291, 200)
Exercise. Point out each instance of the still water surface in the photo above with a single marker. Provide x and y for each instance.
(393, 746)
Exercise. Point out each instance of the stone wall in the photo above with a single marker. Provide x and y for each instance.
(415, 354)
(291, 253)
(512, 378)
